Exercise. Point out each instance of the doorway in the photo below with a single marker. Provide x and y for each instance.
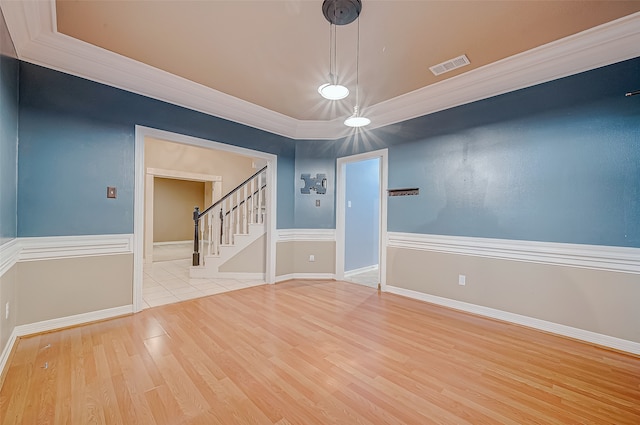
(361, 211)
(143, 178)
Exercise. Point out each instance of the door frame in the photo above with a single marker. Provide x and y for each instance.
(150, 175)
(341, 163)
(141, 133)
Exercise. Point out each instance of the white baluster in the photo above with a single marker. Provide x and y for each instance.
(237, 228)
(253, 185)
(210, 226)
(224, 223)
(201, 241)
(244, 209)
(259, 209)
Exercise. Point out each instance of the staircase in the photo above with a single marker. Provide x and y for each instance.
(226, 228)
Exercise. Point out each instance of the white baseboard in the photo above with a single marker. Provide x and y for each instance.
(360, 270)
(174, 243)
(77, 319)
(7, 350)
(306, 276)
(238, 275)
(543, 325)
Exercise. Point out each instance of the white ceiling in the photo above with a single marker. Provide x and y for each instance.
(260, 62)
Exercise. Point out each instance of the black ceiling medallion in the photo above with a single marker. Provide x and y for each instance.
(341, 12)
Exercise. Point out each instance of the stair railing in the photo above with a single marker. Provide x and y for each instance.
(230, 215)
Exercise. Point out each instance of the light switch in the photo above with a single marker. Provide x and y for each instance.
(317, 202)
(111, 192)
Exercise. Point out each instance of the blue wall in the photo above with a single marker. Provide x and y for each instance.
(362, 216)
(77, 138)
(9, 67)
(556, 162)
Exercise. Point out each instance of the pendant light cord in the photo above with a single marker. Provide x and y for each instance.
(358, 69)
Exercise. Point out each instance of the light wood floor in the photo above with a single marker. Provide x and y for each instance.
(314, 353)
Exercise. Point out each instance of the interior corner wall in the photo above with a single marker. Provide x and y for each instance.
(9, 98)
(292, 258)
(9, 80)
(173, 203)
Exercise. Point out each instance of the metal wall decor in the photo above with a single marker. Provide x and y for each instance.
(317, 184)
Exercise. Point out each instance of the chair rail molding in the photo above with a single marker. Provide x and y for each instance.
(600, 257)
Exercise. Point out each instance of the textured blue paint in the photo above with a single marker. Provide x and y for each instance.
(515, 170)
(362, 219)
(315, 157)
(557, 162)
(77, 138)
(286, 177)
(9, 74)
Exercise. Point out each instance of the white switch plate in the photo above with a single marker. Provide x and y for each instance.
(312, 258)
(462, 280)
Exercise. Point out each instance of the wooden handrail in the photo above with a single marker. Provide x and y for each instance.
(197, 215)
(219, 201)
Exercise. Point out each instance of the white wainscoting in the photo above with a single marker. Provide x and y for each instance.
(609, 258)
(56, 247)
(9, 255)
(306, 235)
(612, 258)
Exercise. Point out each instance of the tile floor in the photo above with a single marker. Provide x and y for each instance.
(167, 282)
(369, 278)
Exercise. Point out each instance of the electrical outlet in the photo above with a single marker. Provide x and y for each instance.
(312, 258)
(6, 311)
(462, 280)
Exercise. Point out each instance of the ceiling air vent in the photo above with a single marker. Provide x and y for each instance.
(450, 65)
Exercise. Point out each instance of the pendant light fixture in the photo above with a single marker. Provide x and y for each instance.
(332, 90)
(337, 12)
(357, 120)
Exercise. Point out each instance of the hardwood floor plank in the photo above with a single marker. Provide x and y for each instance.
(314, 352)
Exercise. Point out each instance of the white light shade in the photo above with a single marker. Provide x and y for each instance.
(333, 91)
(356, 121)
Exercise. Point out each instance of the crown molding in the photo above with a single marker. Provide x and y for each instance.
(33, 30)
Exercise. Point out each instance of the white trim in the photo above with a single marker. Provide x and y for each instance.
(306, 235)
(383, 155)
(33, 30)
(56, 247)
(237, 275)
(599, 257)
(4, 357)
(543, 325)
(174, 243)
(365, 269)
(9, 255)
(305, 276)
(183, 175)
(76, 319)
